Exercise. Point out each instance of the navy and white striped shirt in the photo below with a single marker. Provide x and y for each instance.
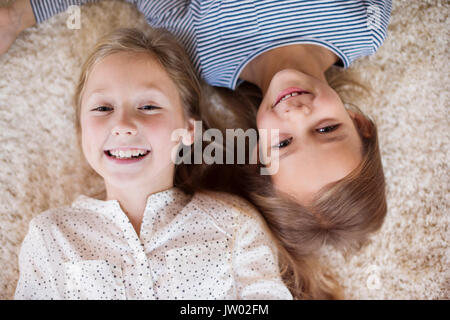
(222, 36)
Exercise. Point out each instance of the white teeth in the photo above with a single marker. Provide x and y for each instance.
(127, 153)
(285, 97)
(293, 94)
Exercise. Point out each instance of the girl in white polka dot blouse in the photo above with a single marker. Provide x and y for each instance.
(149, 238)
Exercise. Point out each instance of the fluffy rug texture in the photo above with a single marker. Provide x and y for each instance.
(41, 168)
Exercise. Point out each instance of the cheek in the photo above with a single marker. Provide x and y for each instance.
(329, 99)
(259, 118)
(159, 134)
(92, 133)
(265, 120)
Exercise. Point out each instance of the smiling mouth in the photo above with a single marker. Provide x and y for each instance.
(289, 93)
(128, 154)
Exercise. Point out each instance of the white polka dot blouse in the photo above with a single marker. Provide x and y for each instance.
(207, 246)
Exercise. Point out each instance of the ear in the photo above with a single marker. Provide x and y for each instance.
(363, 124)
(188, 138)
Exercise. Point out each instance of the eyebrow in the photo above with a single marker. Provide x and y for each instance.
(89, 96)
(96, 91)
(141, 88)
(337, 138)
(287, 153)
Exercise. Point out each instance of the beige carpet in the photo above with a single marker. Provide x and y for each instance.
(408, 259)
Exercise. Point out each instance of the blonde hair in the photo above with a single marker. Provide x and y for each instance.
(164, 48)
(343, 213)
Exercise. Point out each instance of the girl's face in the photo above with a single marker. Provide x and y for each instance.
(129, 109)
(318, 141)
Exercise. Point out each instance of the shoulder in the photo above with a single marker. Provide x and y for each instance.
(51, 216)
(378, 14)
(226, 206)
(41, 230)
(239, 218)
(49, 221)
(225, 200)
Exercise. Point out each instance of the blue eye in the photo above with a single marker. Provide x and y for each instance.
(102, 109)
(284, 143)
(328, 129)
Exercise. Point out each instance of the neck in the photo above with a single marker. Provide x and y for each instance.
(310, 59)
(134, 200)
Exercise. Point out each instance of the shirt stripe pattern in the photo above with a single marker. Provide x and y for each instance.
(221, 37)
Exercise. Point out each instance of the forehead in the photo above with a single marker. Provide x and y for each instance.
(127, 65)
(128, 71)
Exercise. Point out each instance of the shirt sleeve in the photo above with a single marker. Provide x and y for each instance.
(378, 16)
(36, 280)
(255, 261)
(45, 9)
(153, 10)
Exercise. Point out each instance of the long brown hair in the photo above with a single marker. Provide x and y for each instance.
(343, 213)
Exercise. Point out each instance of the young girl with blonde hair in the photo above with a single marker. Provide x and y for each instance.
(152, 237)
(330, 186)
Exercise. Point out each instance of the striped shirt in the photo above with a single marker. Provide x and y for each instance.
(223, 36)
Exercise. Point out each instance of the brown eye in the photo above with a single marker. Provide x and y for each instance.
(149, 107)
(328, 129)
(283, 143)
(102, 109)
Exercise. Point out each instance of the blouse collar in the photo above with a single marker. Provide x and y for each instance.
(172, 198)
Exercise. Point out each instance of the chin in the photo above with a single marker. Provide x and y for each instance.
(127, 181)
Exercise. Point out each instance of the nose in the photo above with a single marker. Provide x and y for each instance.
(290, 110)
(124, 127)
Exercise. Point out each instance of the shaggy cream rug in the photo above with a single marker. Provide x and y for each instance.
(408, 258)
